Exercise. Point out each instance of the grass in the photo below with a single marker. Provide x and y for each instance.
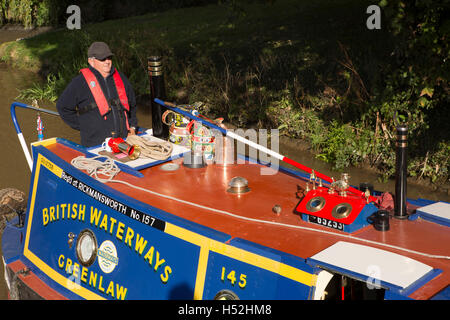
(215, 33)
(305, 67)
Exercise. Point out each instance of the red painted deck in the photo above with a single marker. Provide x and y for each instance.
(207, 187)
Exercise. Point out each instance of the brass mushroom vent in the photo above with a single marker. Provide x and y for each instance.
(238, 185)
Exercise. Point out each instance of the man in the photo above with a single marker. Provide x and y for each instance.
(100, 101)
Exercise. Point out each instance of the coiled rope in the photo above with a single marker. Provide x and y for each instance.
(110, 170)
(160, 150)
(96, 167)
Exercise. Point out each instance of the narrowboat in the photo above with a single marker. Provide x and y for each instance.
(99, 226)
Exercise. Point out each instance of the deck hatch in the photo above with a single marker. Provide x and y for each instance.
(438, 212)
(371, 264)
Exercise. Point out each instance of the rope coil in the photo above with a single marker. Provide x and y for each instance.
(151, 149)
(94, 167)
(110, 170)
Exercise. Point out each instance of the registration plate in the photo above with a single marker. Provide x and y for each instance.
(326, 222)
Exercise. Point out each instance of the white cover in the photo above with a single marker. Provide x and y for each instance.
(437, 209)
(373, 263)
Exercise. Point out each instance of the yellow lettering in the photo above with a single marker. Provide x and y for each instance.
(84, 272)
(52, 214)
(110, 289)
(95, 215)
(74, 211)
(104, 224)
(44, 216)
(140, 245)
(129, 236)
(76, 270)
(69, 266)
(63, 207)
(92, 279)
(61, 261)
(158, 262)
(121, 292)
(81, 212)
(165, 277)
(113, 222)
(100, 285)
(113, 289)
(119, 233)
(149, 255)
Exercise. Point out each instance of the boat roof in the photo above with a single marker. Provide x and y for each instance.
(200, 195)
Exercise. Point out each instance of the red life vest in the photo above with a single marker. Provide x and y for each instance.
(99, 96)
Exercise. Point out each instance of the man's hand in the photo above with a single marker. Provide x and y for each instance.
(132, 131)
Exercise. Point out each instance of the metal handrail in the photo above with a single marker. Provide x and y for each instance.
(19, 131)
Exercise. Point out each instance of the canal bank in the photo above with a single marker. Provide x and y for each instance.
(15, 173)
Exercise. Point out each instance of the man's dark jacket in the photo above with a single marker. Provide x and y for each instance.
(77, 108)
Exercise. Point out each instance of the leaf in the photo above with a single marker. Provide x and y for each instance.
(383, 3)
(422, 101)
(427, 91)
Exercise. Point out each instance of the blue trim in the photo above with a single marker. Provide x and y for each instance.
(271, 254)
(118, 196)
(391, 295)
(126, 168)
(88, 154)
(262, 283)
(420, 202)
(123, 198)
(14, 117)
(432, 218)
(25, 106)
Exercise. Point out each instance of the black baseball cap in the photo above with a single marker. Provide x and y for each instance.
(99, 50)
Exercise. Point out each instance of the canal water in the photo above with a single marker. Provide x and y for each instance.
(15, 173)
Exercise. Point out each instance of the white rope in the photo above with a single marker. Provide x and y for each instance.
(110, 169)
(95, 167)
(159, 150)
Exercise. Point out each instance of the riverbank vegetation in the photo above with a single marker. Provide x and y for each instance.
(313, 69)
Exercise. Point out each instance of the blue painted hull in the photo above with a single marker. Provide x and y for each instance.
(143, 252)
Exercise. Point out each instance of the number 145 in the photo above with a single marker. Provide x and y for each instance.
(231, 276)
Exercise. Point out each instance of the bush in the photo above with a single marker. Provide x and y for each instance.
(35, 13)
(255, 65)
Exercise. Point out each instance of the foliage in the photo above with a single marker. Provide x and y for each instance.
(311, 69)
(39, 91)
(417, 81)
(32, 13)
(29, 13)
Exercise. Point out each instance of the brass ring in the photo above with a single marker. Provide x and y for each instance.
(342, 210)
(226, 295)
(315, 204)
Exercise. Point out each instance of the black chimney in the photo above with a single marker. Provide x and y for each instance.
(157, 90)
(400, 173)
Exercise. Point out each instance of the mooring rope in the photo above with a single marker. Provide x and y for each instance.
(158, 150)
(110, 170)
(95, 167)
